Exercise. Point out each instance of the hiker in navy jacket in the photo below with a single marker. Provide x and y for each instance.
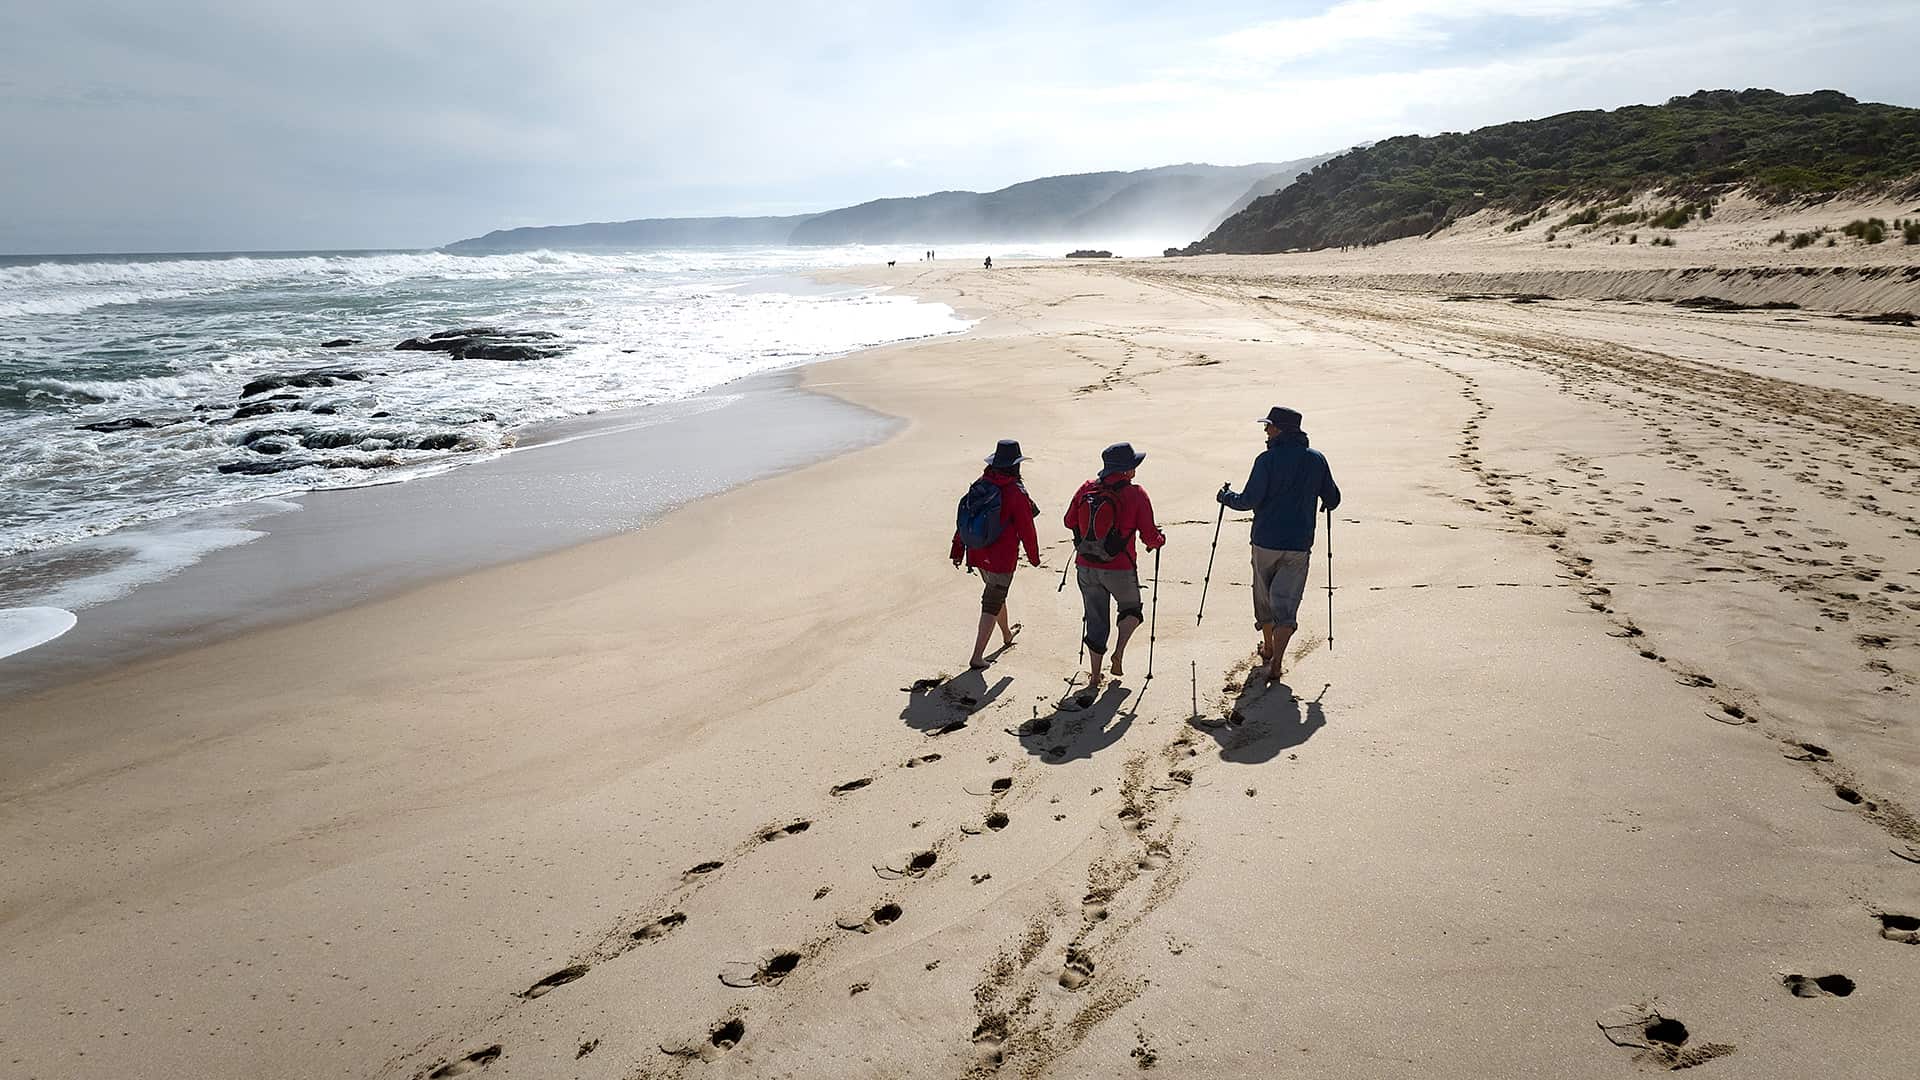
(1289, 485)
(997, 561)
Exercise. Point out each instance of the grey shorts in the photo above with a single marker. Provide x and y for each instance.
(1279, 581)
(993, 594)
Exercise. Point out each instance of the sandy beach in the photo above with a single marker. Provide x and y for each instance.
(1607, 763)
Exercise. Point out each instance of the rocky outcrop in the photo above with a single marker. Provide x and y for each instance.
(302, 380)
(485, 343)
(131, 423)
(339, 343)
(1089, 253)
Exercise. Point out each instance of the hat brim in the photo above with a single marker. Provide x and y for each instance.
(1109, 470)
(991, 460)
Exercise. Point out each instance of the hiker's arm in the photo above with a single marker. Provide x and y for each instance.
(1030, 539)
(1148, 530)
(1329, 491)
(1256, 488)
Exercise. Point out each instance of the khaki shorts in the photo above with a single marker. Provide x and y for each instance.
(1279, 581)
(993, 594)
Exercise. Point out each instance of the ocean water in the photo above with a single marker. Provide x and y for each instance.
(171, 341)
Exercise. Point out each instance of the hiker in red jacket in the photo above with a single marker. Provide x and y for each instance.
(996, 520)
(1105, 515)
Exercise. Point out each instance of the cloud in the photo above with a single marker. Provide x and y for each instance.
(217, 124)
(1391, 22)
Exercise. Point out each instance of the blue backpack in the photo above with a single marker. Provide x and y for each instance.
(978, 520)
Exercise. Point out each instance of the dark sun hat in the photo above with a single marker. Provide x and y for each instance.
(1119, 458)
(1006, 454)
(1281, 417)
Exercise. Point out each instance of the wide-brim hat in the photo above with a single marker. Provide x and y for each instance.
(1006, 455)
(1281, 417)
(1118, 458)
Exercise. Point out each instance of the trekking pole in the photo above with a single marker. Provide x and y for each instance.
(1193, 684)
(1153, 617)
(1329, 580)
(1216, 547)
(1063, 573)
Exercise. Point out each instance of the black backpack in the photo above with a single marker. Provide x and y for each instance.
(1102, 541)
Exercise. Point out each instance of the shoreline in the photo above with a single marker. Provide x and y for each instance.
(552, 817)
(291, 558)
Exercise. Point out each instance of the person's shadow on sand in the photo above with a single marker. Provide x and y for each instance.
(941, 706)
(1270, 719)
(1074, 731)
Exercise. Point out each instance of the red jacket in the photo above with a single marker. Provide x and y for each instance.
(1016, 530)
(1136, 517)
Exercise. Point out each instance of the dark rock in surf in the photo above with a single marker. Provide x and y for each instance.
(443, 441)
(339, 343)
(265, 408)
(471, 331)
(303, 380)
(437, 344)
(261, 468)
(129, 423)
(506, 352)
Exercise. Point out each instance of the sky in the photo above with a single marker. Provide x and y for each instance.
(225, 125)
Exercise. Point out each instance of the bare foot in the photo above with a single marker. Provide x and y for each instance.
(1006, 639)
(978, 663)
(1116, 665)
(1273, 672)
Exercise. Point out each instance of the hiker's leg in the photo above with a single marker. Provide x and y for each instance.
(1263, 564)
(993, 605)
(1289, 585)
(1281, 635)
(979, 659)
(1006, 630)
(1093, 600)
(1125, 585)
(1127, 625)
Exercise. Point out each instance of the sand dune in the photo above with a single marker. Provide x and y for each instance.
(1607, 762)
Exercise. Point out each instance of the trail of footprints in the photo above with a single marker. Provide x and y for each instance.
(773, 966)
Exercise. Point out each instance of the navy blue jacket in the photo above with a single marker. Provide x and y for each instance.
(1288, 478)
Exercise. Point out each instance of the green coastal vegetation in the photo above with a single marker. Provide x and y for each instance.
(1777, 146)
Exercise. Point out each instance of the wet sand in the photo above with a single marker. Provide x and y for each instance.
(283, 560)
(1605, 765)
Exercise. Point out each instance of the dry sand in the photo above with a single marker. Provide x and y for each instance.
(1619, 731)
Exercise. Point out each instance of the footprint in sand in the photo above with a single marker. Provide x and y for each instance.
(1661, 1040)
(1156, 858)
(1819, 986)
(559, 978)
(718, 1042)
(989, 1037)
(993, 822)
(1904, 928)
(850, 786)
(659, 928)
(923, 759)
(995, 786)
(769, 971)
(913, 865)
(946, 729)
(775, 832)
(472, 1063)
(884, 915)
(1093, 906)
(703, 869)
(1077, 971)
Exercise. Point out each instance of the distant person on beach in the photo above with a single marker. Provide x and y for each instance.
(995, 521)
(1106, 514)
(1289, 485)
(989, 262)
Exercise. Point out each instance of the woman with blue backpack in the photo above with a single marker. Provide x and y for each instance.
(995, 520)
